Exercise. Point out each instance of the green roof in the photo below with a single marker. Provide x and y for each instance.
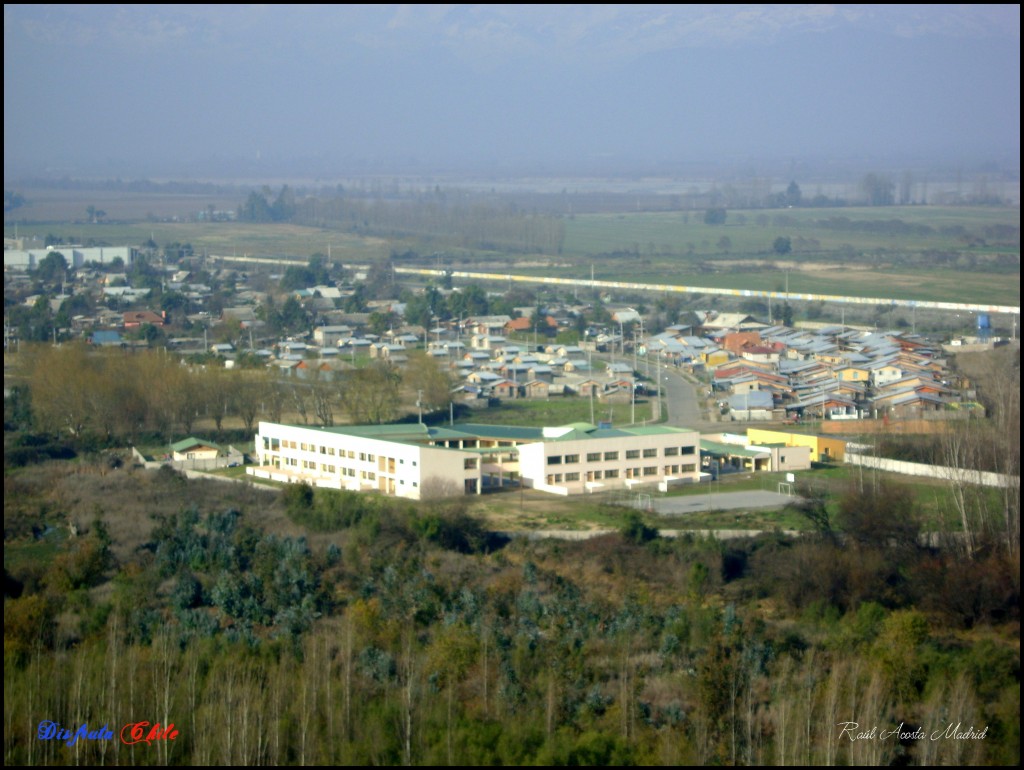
(188, 443)
(391, 432)
(655, 430)
(510, 432)
(586, 427)
(731, 450)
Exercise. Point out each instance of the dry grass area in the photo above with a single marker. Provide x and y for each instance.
(128, 501)
(529, 510)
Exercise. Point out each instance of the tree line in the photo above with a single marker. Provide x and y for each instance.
(432, 221)
(88, 395)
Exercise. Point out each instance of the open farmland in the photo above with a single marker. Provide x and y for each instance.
(953, 254)
(916, 229)
(219, 238)
(943, 254)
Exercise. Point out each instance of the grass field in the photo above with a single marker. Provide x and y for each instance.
(754, 232)
(218, 238)
(529, 510)
(856, 280)
(560, 411)
(980, 245)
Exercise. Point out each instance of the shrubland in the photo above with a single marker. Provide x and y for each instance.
(307, 626)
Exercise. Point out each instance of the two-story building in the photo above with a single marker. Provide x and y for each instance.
(417, 461)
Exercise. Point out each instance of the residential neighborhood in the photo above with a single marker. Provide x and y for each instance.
(744, 369)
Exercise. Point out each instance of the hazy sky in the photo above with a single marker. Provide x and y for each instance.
(175, 89)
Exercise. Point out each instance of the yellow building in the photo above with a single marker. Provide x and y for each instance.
(853, 374)
(716, 358)
(823, 448)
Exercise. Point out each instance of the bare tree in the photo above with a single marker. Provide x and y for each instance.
(370, 394)
(321, 394)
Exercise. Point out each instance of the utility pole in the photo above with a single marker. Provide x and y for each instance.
(658, 416)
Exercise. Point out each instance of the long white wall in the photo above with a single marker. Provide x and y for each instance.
(981, 478)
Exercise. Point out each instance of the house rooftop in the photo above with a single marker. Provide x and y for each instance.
(190, 443)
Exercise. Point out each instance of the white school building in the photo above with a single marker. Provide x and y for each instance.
(417, 461)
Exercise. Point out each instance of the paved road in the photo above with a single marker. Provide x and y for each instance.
(683, 399)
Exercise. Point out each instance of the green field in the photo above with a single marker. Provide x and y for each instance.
(217, 238)
(964, 254)
(561, 411)
(680, 249)
(753, 232)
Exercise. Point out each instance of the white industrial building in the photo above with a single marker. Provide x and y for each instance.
(417, 461)
(76, 256)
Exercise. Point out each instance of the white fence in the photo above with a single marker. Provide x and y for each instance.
(981, 478)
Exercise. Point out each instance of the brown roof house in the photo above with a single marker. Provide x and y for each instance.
(133, 319)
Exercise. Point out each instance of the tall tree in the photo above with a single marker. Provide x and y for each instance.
(427, 377)
(370, 394)
(52, 268)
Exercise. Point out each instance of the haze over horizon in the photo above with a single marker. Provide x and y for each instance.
(212, 90)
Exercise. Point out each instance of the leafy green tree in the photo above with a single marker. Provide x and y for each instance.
(78, 304)
(34, 323)
(293, 317)
(422, 309)
(793, 194)
(635, 530)
(468, 301)
(715, 216)
(13, 200)
(255, 209)
(380, 322)
(296, 277)
(283, 208)
(18, 408)
(150, 333)
(782, 245)
(380, 281)
(356, 301)
(175, 304)
(52, 268)
(176, 251)
(318, 266)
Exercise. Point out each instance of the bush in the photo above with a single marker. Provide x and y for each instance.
(635, 530)
(453, 530)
